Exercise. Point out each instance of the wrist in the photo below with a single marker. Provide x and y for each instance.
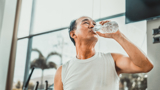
(117, 36)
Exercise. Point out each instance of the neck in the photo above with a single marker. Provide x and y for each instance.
(85, 51)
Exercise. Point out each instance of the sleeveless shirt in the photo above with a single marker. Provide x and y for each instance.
(95, 73)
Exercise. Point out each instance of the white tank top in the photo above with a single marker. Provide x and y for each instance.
(95, 73)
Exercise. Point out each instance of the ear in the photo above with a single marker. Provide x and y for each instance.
(72, 34)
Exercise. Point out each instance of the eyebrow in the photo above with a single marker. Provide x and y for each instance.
(85, 20)
(88, 20)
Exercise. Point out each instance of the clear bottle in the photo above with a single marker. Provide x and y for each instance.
(109, 27)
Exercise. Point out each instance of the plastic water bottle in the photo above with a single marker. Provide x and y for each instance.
(109, 27)
(125, 85)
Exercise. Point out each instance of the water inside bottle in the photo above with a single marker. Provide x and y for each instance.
(108, 27)
(97, 27)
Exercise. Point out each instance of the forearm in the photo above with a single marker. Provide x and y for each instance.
(134, 53)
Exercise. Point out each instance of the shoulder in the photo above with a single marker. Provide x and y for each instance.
(58, 85)
(66, 63)
(115, 56)
(107, 54)
(59, 70)
(103, 53)
(58, 74)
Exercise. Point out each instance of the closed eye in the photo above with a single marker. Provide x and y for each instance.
(86, 22)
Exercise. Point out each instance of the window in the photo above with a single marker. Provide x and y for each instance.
(19, 69)
(25, 16)
(49, 37)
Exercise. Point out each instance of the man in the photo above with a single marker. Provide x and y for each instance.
(91, 70)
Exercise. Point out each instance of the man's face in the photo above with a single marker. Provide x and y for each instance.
(84, 29)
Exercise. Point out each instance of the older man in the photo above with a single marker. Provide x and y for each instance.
(91, 70)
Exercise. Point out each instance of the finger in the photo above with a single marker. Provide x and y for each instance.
(101, 22)
(100, 34)
(105, 22)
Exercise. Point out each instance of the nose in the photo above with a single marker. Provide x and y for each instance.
(91, 25)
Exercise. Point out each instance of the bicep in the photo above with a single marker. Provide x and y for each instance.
(125, 64)
(57, 80)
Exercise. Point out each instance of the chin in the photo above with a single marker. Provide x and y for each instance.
(95, 38)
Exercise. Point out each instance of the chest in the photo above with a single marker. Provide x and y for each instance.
(96, 74)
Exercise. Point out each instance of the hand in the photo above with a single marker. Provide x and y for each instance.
(108, 35)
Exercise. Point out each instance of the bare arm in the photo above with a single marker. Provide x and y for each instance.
(136, 62)
(57, 79)
(125, 65)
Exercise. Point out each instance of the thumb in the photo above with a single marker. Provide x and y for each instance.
(100, 34)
